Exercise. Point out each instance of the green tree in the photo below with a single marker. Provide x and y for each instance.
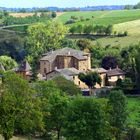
(100, 30)
(69, 43)
(72, 30)
(54, 14)
(88, 29)
(20, 110)
(67, 86)
(137, 67)
(8, 62)
(90, 79)
(118, 114)
(137, 6)
(83, 44)
(54, 105)
(86, 120)
(128, 7)
(44, 37)
(79, 29)
(109, 30)
(125, 83)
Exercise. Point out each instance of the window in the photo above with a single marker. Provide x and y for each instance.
(45, 71)
(79, 82)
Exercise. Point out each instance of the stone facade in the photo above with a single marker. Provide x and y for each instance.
(65, 58)
(69, 63)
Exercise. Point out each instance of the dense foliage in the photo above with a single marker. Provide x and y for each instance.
(44, 37)
(7, 62)
(52, 109)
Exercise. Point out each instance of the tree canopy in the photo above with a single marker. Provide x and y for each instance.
(44, 37)
(8, 62)
(20, 110)
(90, 79)
(118, 114)
(86, 120)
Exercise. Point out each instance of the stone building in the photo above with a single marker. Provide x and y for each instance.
(69, 63)
(70, 74)
(113, 75)
(64, 58)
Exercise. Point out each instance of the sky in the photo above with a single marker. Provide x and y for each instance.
(62, 3)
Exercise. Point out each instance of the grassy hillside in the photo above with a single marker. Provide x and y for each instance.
(133, 29)
(122, 20)
(133, 111)
(102, 17)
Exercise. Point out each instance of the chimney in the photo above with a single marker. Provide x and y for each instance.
(110, 68)
(117, 67)
(55, 68)
(69, 53)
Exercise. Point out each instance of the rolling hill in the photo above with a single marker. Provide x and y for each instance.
(102, 17)
(122, 20)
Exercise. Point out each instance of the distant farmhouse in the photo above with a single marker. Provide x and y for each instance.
(69, 63)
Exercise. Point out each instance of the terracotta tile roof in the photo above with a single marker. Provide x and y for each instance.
(50, 56)
(115, 72)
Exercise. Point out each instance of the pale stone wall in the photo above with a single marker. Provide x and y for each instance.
(79, 83)
(113, 79)
(103, 77)
(66, 62)
(83, 65)
(88, 61)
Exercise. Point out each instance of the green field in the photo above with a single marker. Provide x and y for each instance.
(122, 20)
(103, 17)
(133, 29)
(134, 111)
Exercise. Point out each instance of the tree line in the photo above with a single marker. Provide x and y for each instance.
(37, 17)
(129, 7)
(95, 30)
(90, 29)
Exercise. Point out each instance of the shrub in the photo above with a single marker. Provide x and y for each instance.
(71, 21)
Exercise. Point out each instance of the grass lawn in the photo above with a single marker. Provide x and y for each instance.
(134, 111)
